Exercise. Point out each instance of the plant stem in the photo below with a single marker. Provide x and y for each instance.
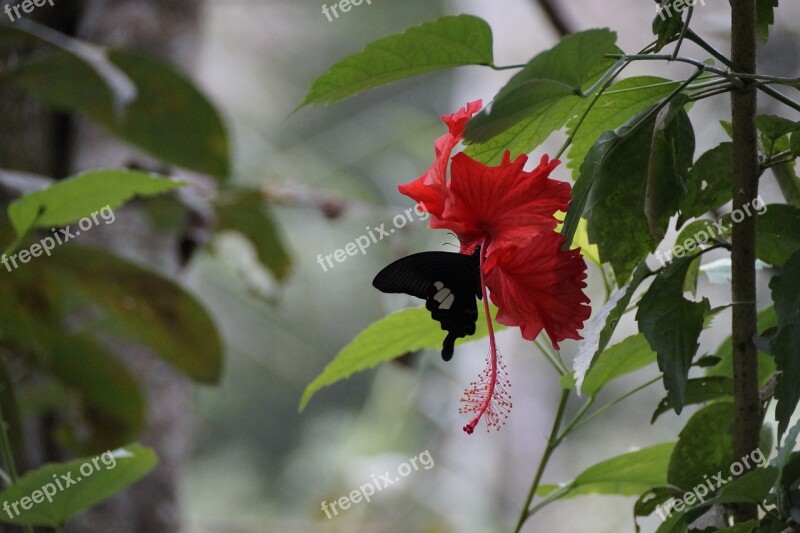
(692, 36)
(552, 442)
(683, 32)
(606, 407)
(744, 177)
(708, 93)
(557, 363)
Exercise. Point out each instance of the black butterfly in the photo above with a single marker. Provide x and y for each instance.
(449, 283)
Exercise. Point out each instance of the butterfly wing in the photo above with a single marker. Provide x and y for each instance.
(448, 282)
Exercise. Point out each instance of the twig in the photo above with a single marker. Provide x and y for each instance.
(556, 18)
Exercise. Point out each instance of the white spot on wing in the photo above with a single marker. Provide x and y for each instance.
(441, 295)
(447, 302)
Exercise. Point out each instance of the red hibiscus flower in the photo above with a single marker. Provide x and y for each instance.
(503, 205)
(509, 214)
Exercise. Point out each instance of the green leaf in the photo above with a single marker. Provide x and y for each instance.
(668, 22)
(83, 483)
(778, 233)
(114, 404)
(709, 184)
(629, 474)
(765, 17)
(772, 129)
(528, 134)
(794, 144)
(169, 118)
(705, 446)
(651, 500)
(728, 127)
(787, 464)
(671, 153)
(555, 77)
(615, 106)
(623, 358)
(401, 332)
(146, 307)
(249, 215)
(672, 325)
(439, 44)
(753, 487)
(611, 191)
(83, 195)
(700, 390)
(788, 181)
(675, 523)
(785, 345)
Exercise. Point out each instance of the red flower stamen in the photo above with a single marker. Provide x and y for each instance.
(488, 397)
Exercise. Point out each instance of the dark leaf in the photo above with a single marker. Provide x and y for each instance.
(169, 118)
(668, 22)
(785, 289)
(671, 153)
(778, 233)
(146, 307)
(614, 107)
(704, 448)
(672, 325)
(774, 128)
(700, 390)
(113, 402)
(765, 17)
(709, 184)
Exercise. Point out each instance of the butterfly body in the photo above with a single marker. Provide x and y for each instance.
(448, 282)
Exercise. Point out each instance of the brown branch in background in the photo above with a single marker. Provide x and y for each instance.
(556, 17)
(298, 196)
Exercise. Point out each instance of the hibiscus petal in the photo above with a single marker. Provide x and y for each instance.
(504, 204)
(538, 286)
(430, 189)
